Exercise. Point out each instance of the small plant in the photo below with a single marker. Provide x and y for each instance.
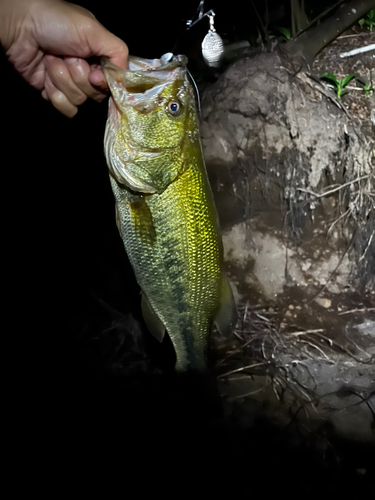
(369, 20)
(366, 87)
(285, 32)
(339, 84)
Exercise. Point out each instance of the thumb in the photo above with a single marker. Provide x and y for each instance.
(115, 49)
(105, 43)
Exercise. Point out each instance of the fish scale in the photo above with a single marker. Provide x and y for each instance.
(173, 271)
(165, 210)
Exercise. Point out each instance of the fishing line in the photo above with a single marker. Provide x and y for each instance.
(190, 23)
(196, 91)
(212, 44)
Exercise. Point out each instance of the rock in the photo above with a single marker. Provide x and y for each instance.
(326, 303)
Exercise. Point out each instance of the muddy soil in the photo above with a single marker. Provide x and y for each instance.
(292, 168)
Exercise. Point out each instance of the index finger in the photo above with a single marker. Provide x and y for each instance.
(80, 71)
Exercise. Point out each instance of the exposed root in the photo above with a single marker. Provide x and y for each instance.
(337, 188)
(353, 311)
(282, 360)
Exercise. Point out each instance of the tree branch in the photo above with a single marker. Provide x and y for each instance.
(311, 42)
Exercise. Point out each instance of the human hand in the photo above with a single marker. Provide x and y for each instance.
(48, 42)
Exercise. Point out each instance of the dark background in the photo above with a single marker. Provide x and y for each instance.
(63, 250)
(81, 388)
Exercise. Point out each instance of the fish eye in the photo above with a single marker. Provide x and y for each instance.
(174, 108)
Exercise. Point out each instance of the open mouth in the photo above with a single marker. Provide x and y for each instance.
(144, 74)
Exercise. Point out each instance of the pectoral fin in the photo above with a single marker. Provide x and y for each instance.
(142, 219)
(155, 326)
(226, 316)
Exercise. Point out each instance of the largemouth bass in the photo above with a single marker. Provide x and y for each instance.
(164, 206)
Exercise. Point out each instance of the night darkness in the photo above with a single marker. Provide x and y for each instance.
(80, 397)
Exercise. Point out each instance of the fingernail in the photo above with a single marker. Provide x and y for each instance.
(71, 60)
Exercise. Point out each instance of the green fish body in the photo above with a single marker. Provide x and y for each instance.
(165, 210)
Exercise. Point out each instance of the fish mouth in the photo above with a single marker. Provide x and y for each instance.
(140, 85)
(152, 70)
(144, 76)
